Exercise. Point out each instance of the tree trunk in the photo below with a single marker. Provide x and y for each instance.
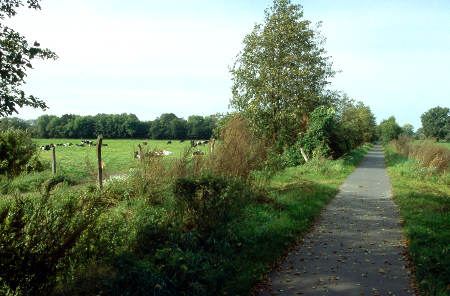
(304, 154)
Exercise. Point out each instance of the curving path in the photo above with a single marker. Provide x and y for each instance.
(356, 247)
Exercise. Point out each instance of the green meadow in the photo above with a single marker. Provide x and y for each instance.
(117, 157)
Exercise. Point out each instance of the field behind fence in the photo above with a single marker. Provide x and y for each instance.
(117, 156)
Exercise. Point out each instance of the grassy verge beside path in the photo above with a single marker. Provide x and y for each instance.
(424, 201)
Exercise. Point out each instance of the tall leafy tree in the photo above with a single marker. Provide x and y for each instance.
(355, 125)
(16, 54)
(84, 127)
(196, 127)
(178, 129)
(436, 123)
(280, 75)
(389, 130)
(13, 122)
(408, 130)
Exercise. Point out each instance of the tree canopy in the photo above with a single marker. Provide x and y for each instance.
(16, 54)
(436, 123)
(408, 130)
(389, 130)
(168, 126)
(281, 74)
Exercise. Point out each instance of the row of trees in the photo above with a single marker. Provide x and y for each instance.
(280, 81)
(435, 124)
(112, 126)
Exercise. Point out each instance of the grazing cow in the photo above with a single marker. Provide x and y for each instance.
(67, 144)
(80, 145)
(47, 147)
(169, 142)
(198, 152)
(144, 143)
(182, 140)
(165, 152)
(104, 144)
(59, 144)
(87, 142)
(136, 155)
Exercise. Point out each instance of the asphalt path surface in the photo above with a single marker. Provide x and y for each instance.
(355, 248)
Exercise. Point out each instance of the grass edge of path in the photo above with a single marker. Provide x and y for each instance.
(424, 205)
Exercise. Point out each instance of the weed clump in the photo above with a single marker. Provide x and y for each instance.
(238, 152)
(209, 203)
(428, 155)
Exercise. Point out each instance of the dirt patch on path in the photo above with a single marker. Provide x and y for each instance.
(356, 247)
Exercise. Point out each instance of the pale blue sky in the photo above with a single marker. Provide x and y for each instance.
(151, 57)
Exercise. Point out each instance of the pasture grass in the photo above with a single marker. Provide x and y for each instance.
(117, 157)
(424, 201)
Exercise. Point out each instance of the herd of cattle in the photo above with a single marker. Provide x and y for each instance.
(82, 144)
(136, 154)
(152, 153)
(199, 143)
(141, 154)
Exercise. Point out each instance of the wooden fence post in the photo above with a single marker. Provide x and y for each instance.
(99, 161)
(53, 160)
(141, 154)
(213, 141)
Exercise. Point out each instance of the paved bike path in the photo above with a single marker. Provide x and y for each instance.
(356, 247)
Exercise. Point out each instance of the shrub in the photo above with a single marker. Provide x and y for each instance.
(36, 235)
(151, 180)
(238, 152)
(316, 140)
(208, 203)
(124, 274)
(17, 153)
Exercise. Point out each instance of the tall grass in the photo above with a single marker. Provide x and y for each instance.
(428, 155)
(423, 196)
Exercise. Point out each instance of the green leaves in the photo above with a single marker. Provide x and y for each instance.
(17, 153)
(436, 123)
(15, 57)
(8, 7)
(316, 141)
(280, 75)
(389, 130)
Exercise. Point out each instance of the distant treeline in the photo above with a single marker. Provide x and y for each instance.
(115, 126)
